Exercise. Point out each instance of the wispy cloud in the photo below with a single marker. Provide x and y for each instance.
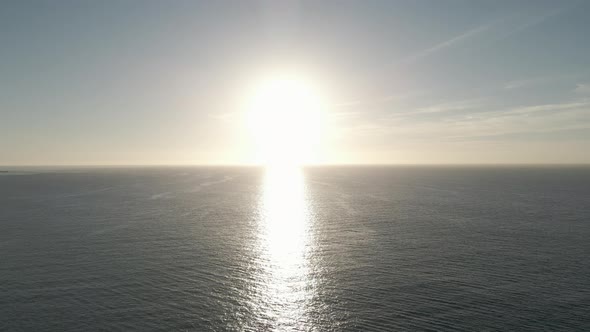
(532, 21)
(476, 32)
(469, 104)
(517, 84)
(541, 80)
(453, 41)
(375, 100)
(583, 89)
(548, 107)
(516, 114)
(526, 120)
(461, 126)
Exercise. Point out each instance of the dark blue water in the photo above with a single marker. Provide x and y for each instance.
(323, 249)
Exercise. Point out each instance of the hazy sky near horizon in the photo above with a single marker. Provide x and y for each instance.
(160, 82)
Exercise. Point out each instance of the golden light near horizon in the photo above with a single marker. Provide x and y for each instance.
(285, 116)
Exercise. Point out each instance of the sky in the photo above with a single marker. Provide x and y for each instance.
(403, 82)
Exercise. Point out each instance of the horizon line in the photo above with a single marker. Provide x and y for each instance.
(304, 165)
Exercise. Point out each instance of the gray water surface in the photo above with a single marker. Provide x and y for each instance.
(319, 249)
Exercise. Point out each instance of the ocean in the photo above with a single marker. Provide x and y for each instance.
(404, 248)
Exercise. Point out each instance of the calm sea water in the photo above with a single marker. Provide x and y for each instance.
(323, 249)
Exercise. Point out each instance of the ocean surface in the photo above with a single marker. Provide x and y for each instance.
(319, 249)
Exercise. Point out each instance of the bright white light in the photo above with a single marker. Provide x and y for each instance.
(285, 119)
(284, 286)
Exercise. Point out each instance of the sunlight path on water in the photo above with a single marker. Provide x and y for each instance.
(285, 284)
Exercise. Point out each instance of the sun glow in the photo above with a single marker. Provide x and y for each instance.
(285, 118)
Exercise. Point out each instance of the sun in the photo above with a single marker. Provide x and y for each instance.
(285, 118)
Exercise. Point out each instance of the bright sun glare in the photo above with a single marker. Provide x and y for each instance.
(285, 116)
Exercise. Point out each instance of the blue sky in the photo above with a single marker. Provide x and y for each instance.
(158, 82)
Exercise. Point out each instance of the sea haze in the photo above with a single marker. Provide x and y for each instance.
(318, 249)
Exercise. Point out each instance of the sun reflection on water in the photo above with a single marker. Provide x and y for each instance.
(285, 222)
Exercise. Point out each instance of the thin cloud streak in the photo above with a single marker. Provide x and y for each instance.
(541, 80)
(543, 118)
(534, 21)
(468, 104)
(446, 44)
(376, 100)
(583, 89)
(474, 32)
